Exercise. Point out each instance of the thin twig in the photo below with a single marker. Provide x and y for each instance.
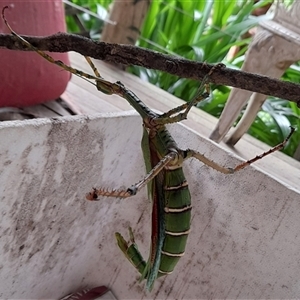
(131, 55)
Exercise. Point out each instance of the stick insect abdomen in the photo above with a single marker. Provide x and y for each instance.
(171, 202)
(177, 217)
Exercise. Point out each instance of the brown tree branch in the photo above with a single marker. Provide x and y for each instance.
(131, 55)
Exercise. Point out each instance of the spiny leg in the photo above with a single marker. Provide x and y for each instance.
(45, 55)
(96, 72)
(167, 117)
(258, 157)
(118, 88)
(200, 95)
(105, 86)
(131, 191)
(102, 85)
(224, 170)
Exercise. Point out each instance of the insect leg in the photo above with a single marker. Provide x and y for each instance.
(201, 94)
(131, 191)
(258, 157)
(95, 70)
(131, 251)
(168, 115)
(102, 85)
(217, 167)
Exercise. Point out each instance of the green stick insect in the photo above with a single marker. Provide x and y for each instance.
(167, 186)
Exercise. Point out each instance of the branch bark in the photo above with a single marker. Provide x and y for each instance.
(132, 55)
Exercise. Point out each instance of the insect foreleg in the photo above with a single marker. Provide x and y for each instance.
(201, 94)
(167, 117)
(95, 70)
(102, 85)
(217, 167)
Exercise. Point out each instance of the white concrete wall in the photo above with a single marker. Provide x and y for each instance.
(245, 229)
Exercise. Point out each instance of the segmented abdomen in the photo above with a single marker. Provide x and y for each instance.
(177, 218)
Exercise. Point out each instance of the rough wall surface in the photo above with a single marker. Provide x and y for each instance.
(245, 227)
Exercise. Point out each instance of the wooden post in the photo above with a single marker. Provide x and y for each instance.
(129, 16)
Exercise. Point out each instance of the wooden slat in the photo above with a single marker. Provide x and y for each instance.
(56, 108)
(87, 99)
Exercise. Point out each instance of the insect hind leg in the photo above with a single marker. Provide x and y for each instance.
(192, 153)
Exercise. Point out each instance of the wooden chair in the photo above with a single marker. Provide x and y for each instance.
(274, 48)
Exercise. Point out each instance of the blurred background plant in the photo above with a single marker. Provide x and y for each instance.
(210, 31)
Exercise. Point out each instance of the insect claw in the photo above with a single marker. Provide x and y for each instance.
(92, 196)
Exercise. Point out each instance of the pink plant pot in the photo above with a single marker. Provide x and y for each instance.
(25, 77)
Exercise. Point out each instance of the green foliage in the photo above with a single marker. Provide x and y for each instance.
(91, 24)
(197, 30)
(206, 31)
